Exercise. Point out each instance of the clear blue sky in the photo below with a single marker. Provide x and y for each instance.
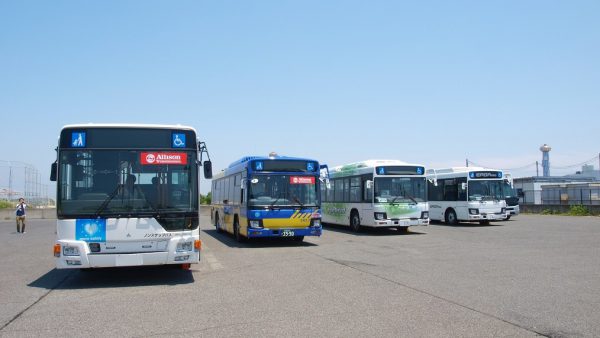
(432, 82)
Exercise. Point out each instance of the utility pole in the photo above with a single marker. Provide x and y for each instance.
(537, 169)
(9, 181)
(467, 162)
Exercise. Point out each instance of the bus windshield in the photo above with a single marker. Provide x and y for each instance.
(278, 190)
(126, 183)
(485, 190)
(509, 191)
(400, 189)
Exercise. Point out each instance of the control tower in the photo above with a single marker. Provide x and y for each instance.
(545, 149)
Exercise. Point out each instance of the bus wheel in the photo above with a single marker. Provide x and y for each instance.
(484, 222)
(298, 238)
(218, 223)
(402, 230)
(507, 218)
(236, 231)
(355, 221)
(451, 217)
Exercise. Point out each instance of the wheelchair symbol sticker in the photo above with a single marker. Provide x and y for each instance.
(310, 166)
(178, 140)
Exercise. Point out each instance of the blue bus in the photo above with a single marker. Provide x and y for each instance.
(272, 196)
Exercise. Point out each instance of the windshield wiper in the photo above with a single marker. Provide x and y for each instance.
(276, 200)
(106, 202)
(298, 201)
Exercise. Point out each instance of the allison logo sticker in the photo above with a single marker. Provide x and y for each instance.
(163, 158)
(302, 180)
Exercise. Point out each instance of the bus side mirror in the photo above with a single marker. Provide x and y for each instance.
(53, 171)
(207, 169)
(463, 186)
(369, 184)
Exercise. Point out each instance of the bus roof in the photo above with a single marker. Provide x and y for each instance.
(127, 125)
(371, 164)
(456, 170)
(265, 158)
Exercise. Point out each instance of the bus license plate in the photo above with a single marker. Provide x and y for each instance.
(287, 233)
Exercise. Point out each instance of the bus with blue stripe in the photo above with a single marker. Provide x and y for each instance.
(272, 196)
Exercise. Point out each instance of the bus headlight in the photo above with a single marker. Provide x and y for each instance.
(255, 223)
(316, 222)
(70, 251)
(424, 214)
(185, 246)
(380, 215)
(473, 211)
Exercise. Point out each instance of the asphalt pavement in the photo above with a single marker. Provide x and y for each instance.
(531, 276)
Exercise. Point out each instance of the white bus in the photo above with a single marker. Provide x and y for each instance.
(127, 195)
(511, 197)
(376, 193)
(469, 194)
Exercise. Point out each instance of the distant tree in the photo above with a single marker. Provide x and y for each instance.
(206, 199)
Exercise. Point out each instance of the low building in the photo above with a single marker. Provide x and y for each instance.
(571, 194)
(529, 189)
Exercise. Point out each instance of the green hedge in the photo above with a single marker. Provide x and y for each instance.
(6, 205)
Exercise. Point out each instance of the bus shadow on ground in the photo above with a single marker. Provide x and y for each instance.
(371, 231)
(273, 242)
(468, 225)
(113, 277)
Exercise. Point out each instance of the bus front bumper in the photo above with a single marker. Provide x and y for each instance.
(488, 217)
(84, 258)
(395, 223)
(284, 232)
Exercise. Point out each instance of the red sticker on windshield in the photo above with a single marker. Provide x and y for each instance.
(302, 180)
(163, 158)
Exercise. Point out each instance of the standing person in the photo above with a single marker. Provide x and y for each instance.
(21, 215)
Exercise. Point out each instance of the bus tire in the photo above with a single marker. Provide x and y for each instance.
(484, 222)
(450, 217)
(402, 230)
(218, 223)
(236, 231)
(354, 221)
(298, 238)
(508, 217)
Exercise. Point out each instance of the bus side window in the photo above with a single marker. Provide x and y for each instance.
(450, 190)
(462, 193)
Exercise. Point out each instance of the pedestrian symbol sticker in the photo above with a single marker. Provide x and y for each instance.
(178, 140)
(78, 139)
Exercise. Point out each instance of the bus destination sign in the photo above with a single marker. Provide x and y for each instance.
(400, 170)
(474, 175)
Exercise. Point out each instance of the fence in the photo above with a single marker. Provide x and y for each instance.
(20, 179)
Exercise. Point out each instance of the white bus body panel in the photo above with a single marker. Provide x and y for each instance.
(401, 215)
(129, 242)
(488, 210)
